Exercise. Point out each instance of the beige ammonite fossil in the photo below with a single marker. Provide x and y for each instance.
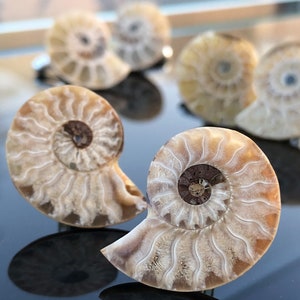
(62, 152)
(214, 72)
(140, 34)
(78, 46)
(214, 211)
(276, 113)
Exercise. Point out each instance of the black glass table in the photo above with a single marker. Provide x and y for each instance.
(41, 259)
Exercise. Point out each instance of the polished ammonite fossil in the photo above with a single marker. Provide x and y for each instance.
(275, 114)
(215, 75)
(140, 34)
(62, 152)
(78, 44)
(214, 211)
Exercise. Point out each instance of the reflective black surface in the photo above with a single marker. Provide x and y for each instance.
(33, 246)
(138, 291)
(65, 264)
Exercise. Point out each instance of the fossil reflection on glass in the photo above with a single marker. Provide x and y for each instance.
(213, 213)
(64, 264)
(135, 98)
(138, 291)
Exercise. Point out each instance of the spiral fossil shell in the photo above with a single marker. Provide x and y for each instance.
(140, 34)
(78, 45)
(214, 211)
(62, 152)
(276, 113)
(214, 73)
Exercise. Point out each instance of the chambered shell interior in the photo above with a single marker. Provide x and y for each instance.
(62, 152)
(214, 211)
(214, 73)
(78, 46)
(140, 34)
(276, 113)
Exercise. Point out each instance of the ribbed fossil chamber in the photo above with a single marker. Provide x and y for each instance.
(78, 45)
(214, 211)
(140, 34)
(62, 151)
(215, 74)
(276, 113)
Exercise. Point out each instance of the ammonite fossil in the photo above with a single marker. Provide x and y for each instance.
(214, 73)
(214, 211)
(276, 113)
(78, 45)
(62, 152)
(140, 34)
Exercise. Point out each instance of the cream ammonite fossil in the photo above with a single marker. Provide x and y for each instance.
(214, 211)
(62, 152)
(140, 34)
(78, 46)
(276, 113)
(214, 73)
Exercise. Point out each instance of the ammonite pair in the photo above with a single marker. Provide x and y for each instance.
(215, 75)
(220, 81)
(83, 52)
(214, 201)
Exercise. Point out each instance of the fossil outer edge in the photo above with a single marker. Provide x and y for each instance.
(62, 151)
(190, 247)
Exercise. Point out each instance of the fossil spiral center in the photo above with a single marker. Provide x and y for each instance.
(80, 133)
(132, 29)
(196, 183)
(134, 26)
(84, 39)
(198, 189)
(90, 47)
(290, 79)
(224, 67)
